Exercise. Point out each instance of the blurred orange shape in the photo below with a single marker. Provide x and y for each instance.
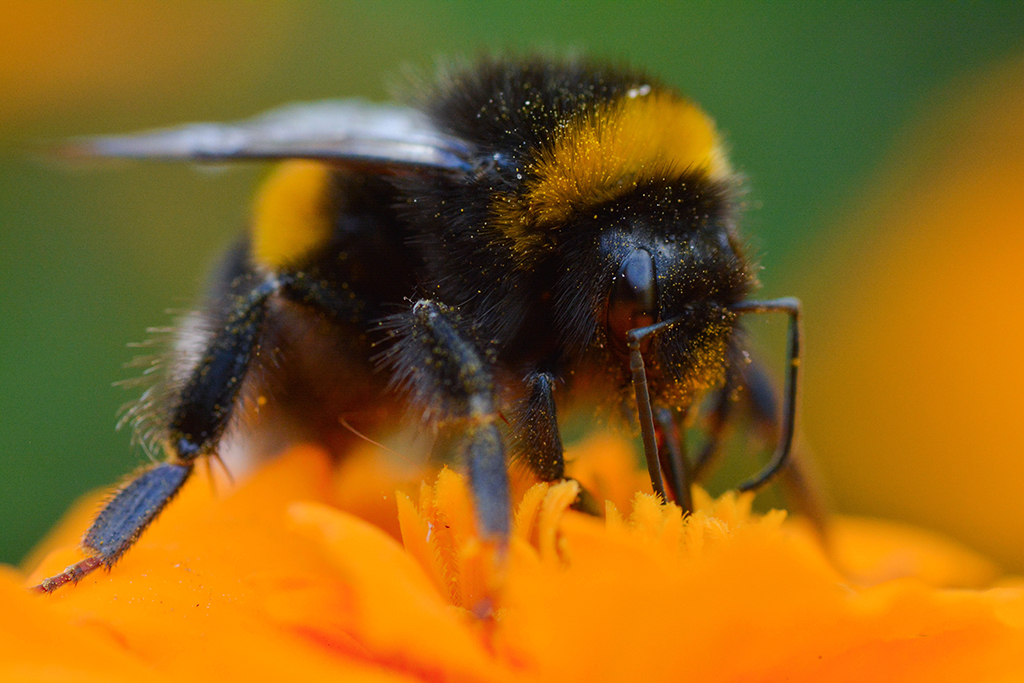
(915, 342)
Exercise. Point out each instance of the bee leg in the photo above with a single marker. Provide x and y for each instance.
(309, 289)
(539, 441)
(672, 448)
(121, 521)
(433, 357)
(791, 307)
(196, 423)
(209, 396)
(645, 413)
(798, 477)
(717, 420)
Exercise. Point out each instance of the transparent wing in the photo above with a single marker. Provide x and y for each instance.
(345, 132)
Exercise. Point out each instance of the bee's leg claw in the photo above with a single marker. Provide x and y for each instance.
(122, 520)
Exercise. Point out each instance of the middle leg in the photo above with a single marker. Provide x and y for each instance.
(436, 359)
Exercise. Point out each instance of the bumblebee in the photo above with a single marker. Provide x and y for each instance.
(524, 233)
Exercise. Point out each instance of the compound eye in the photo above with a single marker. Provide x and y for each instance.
(634, 296)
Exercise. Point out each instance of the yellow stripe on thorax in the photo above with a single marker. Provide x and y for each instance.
(604, 155)
(292, 214)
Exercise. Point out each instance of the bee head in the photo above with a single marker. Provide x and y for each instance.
(665, 252)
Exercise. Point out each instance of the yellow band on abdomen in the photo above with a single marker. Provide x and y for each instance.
(293, 214)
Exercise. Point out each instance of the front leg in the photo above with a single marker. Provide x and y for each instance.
(447, 372)
(539, 441)
(536, 429)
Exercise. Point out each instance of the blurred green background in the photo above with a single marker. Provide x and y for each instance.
(812, 97)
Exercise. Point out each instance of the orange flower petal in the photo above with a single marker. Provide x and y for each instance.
(871, 551)
(272, 581)
(398, 612)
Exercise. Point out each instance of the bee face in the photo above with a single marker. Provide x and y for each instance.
(527, 225)
(668, 249)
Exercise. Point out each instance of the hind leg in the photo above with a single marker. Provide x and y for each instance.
(202, 410)
(194, 426)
